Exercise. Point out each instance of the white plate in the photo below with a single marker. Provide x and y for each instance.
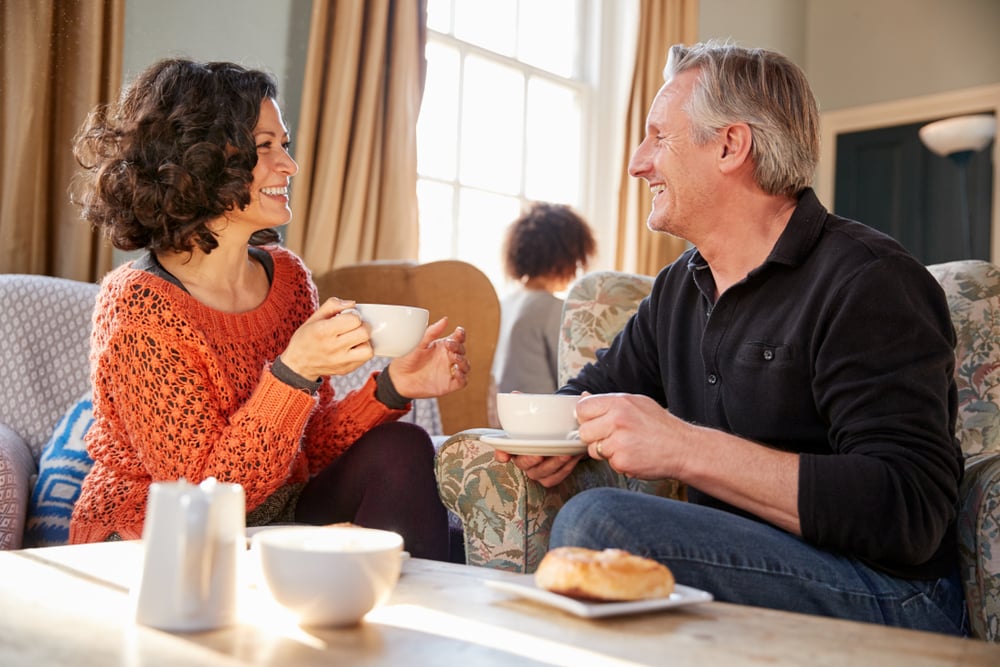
(505, 443)
(524, 586)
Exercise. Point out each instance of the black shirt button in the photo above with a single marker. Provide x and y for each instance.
(712, 378)
(768, 355)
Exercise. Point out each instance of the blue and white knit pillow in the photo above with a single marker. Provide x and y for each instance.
(61, 469)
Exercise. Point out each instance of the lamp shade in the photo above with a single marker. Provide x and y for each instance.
(958, 134)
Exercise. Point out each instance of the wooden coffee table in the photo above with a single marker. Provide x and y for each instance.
(71, 606)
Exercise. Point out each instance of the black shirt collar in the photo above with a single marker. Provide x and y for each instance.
(796, 241)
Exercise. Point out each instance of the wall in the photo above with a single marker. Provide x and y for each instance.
(869, 51)
(779, 25)
(859, 52)
(264, 34)
(856, 52)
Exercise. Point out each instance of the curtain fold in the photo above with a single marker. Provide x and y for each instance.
(662, 23)
(58, 60)
(355, 196)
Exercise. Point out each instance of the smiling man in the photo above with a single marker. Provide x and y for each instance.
(793, 368)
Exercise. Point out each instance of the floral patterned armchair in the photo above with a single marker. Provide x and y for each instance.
(507, 517)
(973, 289)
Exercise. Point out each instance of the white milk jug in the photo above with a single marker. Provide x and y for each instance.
(193, 540)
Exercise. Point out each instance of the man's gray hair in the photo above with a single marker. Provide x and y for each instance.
(763, 89)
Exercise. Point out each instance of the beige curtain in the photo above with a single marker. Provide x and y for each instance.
(355, 197)
(58, 59)
(662, 23)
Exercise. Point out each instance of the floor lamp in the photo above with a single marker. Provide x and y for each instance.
(958, 139)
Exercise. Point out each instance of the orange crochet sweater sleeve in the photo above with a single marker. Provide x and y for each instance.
(181, 390)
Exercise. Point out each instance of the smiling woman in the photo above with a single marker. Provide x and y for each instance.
(211, 354)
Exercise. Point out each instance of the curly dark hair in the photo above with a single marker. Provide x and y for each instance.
(547, 240)
(175, 152)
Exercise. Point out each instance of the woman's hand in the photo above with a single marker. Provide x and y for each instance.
(331, 342)
(437, 366)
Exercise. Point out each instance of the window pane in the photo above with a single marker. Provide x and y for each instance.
(490, 24)
(439, 15)
(547, 35)
(436, 214)
(553, 145)
(437, 127)
(492, 126)
(483, 218)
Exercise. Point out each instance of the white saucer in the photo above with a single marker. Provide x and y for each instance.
(505, 443)
(523, 585)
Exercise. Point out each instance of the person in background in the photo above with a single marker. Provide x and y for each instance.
(210, 352)
(794, 369)
(543, 251)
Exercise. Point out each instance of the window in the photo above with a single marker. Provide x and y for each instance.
(508, 106)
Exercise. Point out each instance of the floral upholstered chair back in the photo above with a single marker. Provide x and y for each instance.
(973, 290)
(596, 308)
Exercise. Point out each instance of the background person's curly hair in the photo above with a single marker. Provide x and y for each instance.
(547, 240)
(175, 152)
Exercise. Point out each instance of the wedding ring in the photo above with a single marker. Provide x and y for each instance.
(454, 370)
(600, 454)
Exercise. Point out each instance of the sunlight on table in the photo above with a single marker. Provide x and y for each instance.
(431, 621)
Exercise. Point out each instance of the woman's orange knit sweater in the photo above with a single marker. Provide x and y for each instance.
(181, 390)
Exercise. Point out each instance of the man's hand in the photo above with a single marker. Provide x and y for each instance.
(546, 470)
(634, 434)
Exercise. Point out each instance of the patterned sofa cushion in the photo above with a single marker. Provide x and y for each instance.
(45, 331)
(61, 469)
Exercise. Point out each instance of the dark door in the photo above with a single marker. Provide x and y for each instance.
(888, 179)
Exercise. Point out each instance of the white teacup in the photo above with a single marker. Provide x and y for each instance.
(329, 575)
(538, 416)
(394, 330)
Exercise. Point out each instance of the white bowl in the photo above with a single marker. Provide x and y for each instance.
(329, 575)
(537, 416)
(394, 330)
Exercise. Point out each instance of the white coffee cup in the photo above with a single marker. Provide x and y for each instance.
(329, 575)
(394, 330)
(193, 538)
(538, 416)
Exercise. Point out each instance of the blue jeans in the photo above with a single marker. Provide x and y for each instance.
(747, 562)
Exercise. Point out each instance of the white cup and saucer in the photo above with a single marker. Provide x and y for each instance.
(537, 424)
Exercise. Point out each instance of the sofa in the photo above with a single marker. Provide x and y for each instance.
(45, 409)
(507, 517)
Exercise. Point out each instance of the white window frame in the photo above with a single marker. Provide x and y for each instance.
(608, 29)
